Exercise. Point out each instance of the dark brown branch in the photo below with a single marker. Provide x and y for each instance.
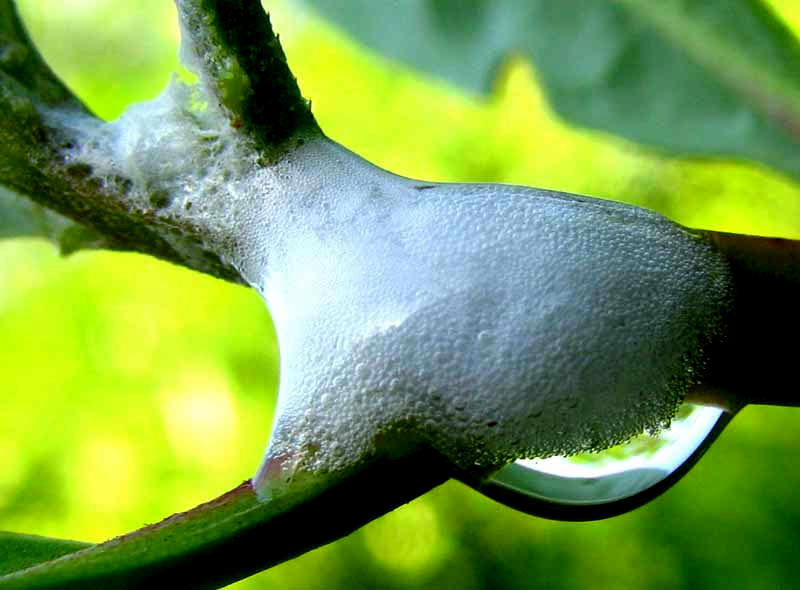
(756, 361)
(20, 60)
(242, 62)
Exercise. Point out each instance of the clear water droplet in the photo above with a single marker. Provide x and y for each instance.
(599, 485)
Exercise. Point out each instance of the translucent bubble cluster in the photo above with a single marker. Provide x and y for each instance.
(177, 160)
(490, 322)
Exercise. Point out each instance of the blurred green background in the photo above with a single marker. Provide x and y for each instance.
(133, 389)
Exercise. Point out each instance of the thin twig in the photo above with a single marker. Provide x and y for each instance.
(56, 153)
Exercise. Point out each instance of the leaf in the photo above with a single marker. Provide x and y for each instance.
(692, 77)
(20, 217)
(19, 551)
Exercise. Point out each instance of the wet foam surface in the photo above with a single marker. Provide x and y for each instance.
(490, 322)
(495, 322)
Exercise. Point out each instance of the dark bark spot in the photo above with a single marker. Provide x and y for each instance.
(160, 199)
(79, 171)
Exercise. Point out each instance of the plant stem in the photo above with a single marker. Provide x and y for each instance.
(242, 64)
(56, 153)
(236, 535)
(755, 362)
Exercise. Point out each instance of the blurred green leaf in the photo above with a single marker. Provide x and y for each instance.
(19, 551)
(20, 217)
(127, 328)
(703, 78)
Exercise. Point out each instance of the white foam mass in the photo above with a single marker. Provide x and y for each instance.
(491, 322)
(488, 322)
(177, 160)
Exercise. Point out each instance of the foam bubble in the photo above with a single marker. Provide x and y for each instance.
(491, 322)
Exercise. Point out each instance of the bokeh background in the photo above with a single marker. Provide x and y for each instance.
(131, 389)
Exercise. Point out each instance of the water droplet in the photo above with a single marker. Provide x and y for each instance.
(610, 482)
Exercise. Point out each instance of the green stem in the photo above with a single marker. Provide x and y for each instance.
(19, 551)
(240, 61)
(237, 535)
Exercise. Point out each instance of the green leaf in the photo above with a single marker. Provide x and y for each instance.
(692, 77)
(19, 551)
(21, 217)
